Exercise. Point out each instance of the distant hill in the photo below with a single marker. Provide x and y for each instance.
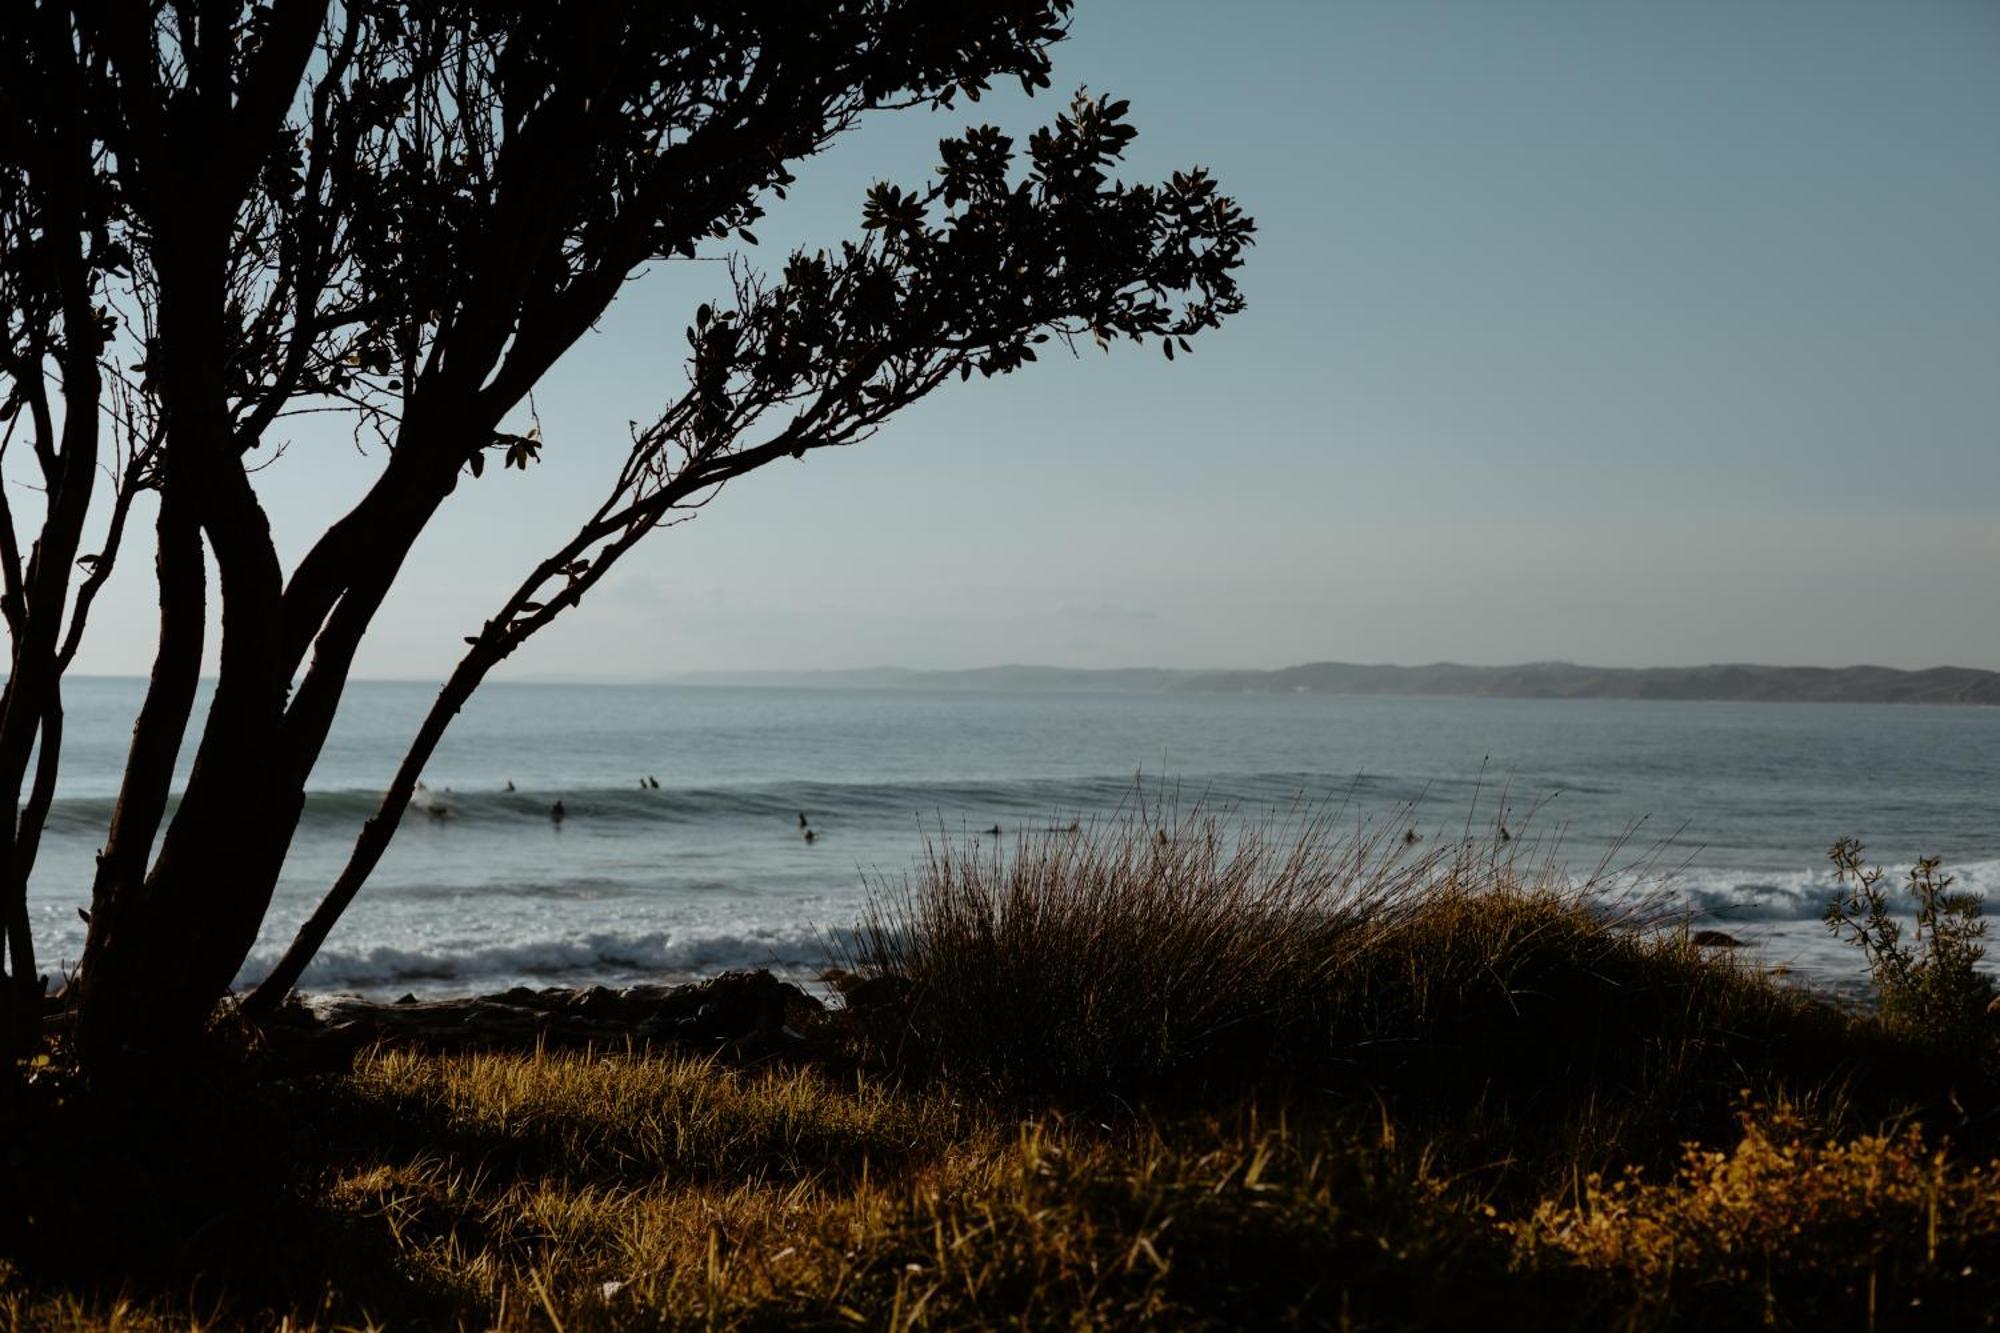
(1533, 680)
(1566, 680)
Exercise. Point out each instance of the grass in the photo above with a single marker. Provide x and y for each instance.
(1140, 961)
(1217, 1078)
(1472, 994)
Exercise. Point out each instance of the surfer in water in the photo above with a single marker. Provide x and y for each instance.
(557, 813)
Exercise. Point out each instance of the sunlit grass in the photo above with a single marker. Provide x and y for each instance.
(986, 1225)
(1890, 1224)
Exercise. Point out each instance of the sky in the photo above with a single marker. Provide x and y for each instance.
(1607, 332)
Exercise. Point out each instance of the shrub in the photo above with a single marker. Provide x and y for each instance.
(1791, 1232)
(1931, 986)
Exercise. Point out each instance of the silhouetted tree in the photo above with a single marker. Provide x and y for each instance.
(218, 215)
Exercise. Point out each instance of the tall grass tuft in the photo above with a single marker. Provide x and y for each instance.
(1474, 994)
(1152, 956)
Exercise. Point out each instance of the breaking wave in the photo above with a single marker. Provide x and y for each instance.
(585, 956)
(1717, 896)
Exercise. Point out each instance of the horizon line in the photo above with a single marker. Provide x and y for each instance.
(683, 674)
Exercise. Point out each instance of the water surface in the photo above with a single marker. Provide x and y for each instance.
(708, 870)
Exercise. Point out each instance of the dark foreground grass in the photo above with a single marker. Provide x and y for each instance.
(1208, 1081)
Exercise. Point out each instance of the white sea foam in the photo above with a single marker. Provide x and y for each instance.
(1716, 895)
(467, 963)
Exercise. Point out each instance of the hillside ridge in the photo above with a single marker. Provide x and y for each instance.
(1734, 682)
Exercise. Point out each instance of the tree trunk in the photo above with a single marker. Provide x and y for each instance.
(109, 988)
(172, 941)
(31, 707)
(164, 948)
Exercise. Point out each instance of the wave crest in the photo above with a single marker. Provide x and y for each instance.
(595, 956)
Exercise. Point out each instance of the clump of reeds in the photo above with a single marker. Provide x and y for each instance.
(1142, 957)
(1474, 992)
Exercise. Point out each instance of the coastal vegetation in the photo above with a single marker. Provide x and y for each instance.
(1170, 1071)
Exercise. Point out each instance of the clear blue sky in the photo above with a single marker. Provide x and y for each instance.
(1620, 333)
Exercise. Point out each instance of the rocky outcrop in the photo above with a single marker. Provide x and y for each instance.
(739, 1014)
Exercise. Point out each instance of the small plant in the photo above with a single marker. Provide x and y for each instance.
(1931, 984)
(1789, 1229)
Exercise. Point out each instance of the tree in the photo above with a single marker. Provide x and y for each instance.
(219, 215)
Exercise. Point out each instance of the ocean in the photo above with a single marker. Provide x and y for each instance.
(1729, 808)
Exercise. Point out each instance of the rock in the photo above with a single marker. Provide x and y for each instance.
(596, 1002)
(875, 1010)
(738, 1008)
(294, 1012)
(1715, 939)
(866, 992)
(742, 1013)
(887, 991)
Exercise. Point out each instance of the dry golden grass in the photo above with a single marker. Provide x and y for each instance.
(1886, 1224)
(603, 1117)
(537, 1191)
(970, 1224)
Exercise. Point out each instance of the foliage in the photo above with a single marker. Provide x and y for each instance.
(1930, 985)
(974, 1230)
(1791, 1230)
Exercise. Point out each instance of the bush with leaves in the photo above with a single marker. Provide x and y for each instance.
(1930, 984)
(1788, 1230)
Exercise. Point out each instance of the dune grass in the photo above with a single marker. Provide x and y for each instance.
(1534, 1025)
(1139, 1076)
